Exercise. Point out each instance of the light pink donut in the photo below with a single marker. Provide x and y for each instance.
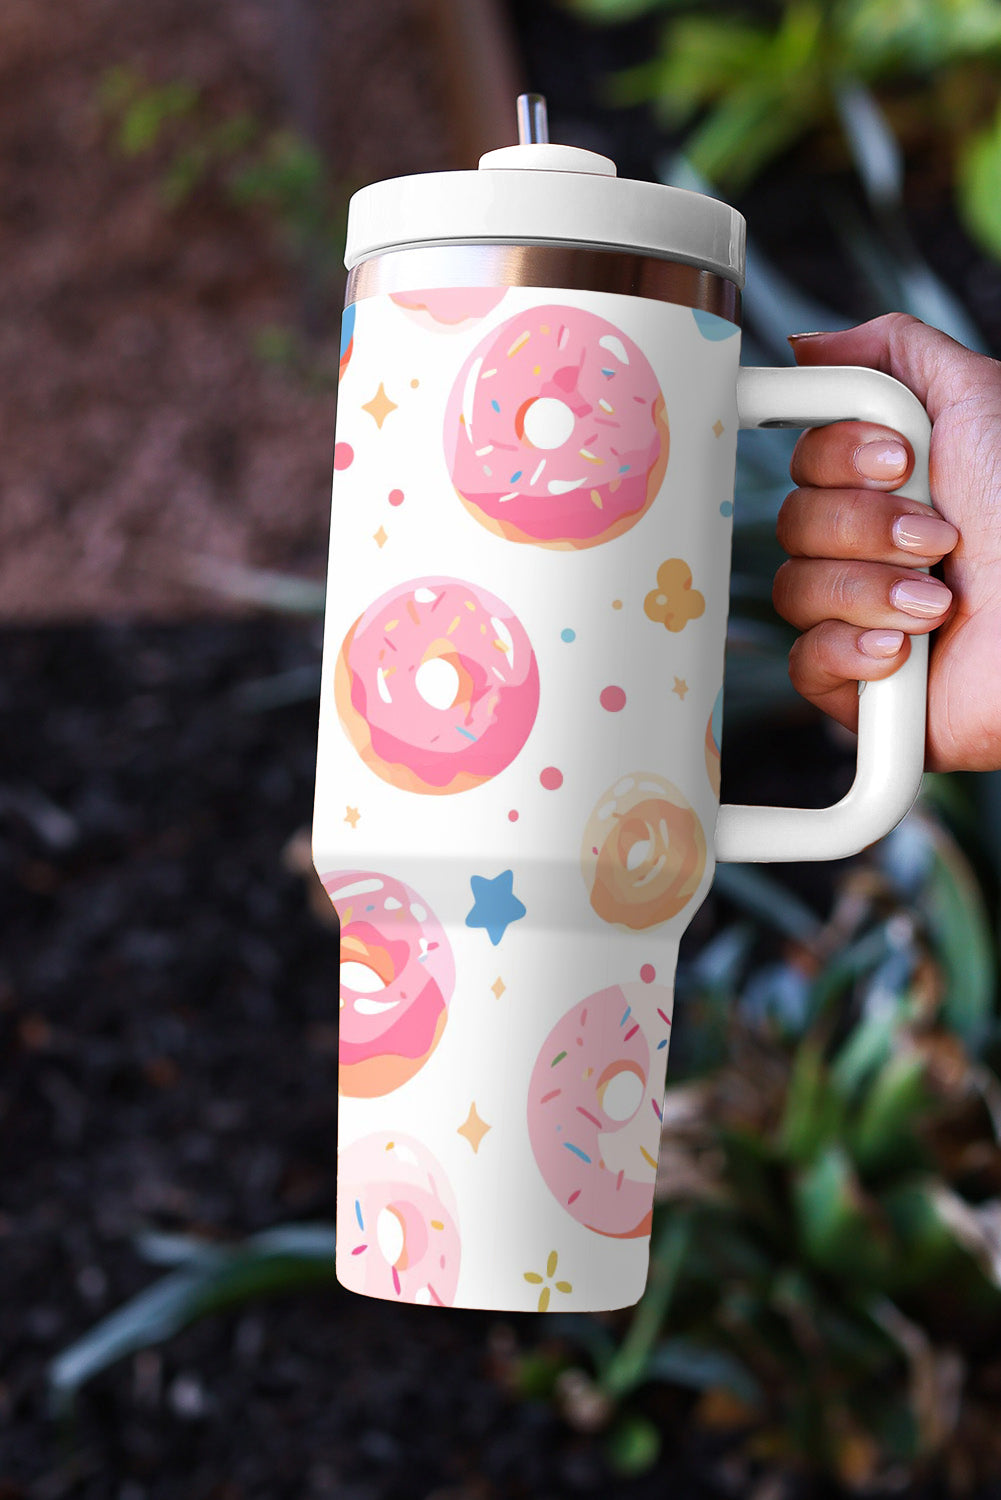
(437, 686)
(397, 1222)
(449, 309)
(397, 977)
(594, 1106)
(555, 431)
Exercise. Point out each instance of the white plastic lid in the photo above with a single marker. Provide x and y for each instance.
(541, 193)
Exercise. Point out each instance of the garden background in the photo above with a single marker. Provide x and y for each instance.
(824, 1308)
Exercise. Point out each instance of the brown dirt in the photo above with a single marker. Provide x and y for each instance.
(139, 429)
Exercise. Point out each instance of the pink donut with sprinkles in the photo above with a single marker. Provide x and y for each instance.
(555, 430)
(397, 1222)
(437, 686)
(397, 978)
(449, 309)
(595, 1106)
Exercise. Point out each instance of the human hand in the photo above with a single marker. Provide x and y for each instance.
(851, 584)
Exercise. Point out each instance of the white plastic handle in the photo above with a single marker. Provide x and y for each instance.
(891, 728)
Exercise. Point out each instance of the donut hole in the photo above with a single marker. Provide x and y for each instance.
(401, 1235)
(546, 423)
(442, 680)
(359, 978)
(621, 1089)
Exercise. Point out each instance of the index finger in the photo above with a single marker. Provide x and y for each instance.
(852, 455)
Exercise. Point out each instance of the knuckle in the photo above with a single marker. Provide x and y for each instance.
(787, 522)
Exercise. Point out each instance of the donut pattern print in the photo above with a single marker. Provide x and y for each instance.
(437, 686)
(556, 431)
(595, 1107)
(397, 1222)
(397, 977)
(517, 775)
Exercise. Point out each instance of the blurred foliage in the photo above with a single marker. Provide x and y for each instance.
(749, 81)
(232, 158)
(826, 1256)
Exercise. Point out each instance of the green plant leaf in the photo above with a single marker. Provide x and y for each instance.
(814, 1111)
(686, 1362)
(633, 1445)
(839, 1228)
(882, 1135)
(278, 1261)
(627, 1368)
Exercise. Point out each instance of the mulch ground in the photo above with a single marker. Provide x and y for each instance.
(167, 1024)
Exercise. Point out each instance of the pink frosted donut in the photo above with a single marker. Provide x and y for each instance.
(437, 686)
(555, 431)
(449, 309)
(594, 1106)
(397, 977)
(397, 1222)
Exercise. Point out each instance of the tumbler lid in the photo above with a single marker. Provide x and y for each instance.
(538, 193)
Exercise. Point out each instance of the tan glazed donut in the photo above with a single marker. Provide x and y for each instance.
(643, 853)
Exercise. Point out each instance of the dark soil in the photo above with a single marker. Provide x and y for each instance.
(168, 1028)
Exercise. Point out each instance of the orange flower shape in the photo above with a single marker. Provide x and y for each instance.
(674, 602)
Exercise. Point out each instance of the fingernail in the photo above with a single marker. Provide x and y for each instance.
(920, 596)
(881, 460)
(880, 642)
(926, 533)
(818, 333)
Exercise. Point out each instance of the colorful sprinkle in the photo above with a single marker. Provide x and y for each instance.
(512, 816)
(648, 1157)
(577, 1151)
(568, 635)
(665, 1018)
(613, 699)
(648, 974)
(495, 405)
(631, 1032)
(396, 1279)
(557, 1059)
(662, 1044)
(657, 1109)
(551, 778)
(414, 384)
(358, 1249)
(626, 1014)
(343, 455)
(726, 507)
(396, 497)
(616, 603)
(358, 1216)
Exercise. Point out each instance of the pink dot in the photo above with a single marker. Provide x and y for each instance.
(612, 698)
(343, 455)
(551, 779)
(396, 497)
(648, 973)
(512, 816)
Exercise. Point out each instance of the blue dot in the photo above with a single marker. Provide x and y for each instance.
(568, 634)
(726, 508)
(713, 327)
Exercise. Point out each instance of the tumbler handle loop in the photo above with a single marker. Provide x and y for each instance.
(891, 727)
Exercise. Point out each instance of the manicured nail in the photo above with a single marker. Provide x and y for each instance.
(926, 533)
(818, 333)
(881, 460)
(880, 643)
(923, 597)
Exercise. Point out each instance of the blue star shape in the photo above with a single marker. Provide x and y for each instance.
(495, 905)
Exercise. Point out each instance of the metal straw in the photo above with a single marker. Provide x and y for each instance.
(533, 121)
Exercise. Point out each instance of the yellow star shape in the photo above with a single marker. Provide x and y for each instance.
(473, 1128)
(498, 986)
(680, 687)
(380, 406)
(351, 816)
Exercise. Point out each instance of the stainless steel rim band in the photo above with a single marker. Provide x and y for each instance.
(573, 267)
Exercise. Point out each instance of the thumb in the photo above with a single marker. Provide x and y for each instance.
(940, 371)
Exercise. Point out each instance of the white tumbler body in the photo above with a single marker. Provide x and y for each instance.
(518, 774)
